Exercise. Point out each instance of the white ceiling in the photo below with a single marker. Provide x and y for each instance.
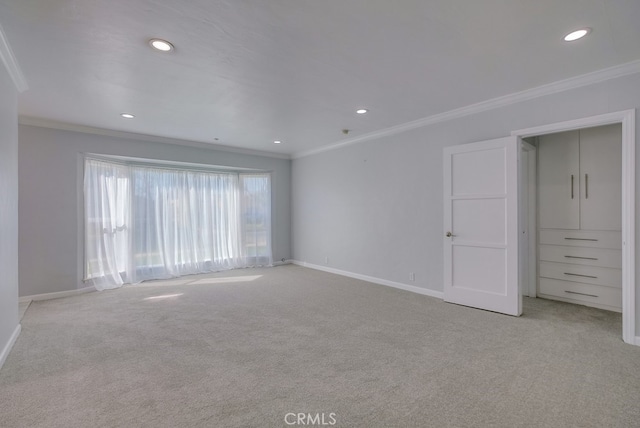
(251, 71)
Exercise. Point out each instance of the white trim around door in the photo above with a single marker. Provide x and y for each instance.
(627, 119)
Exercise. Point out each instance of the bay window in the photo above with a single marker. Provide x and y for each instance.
(152, 222)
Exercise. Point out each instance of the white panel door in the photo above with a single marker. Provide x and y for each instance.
(559, 181)
(601, 178)
(481, 225)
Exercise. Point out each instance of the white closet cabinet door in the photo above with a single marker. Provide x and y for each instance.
(600, 178)
(559, 181)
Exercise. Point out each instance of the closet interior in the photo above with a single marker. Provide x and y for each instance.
(579, 198)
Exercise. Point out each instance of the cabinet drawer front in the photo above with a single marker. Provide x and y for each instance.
(601, 257)
(579, 273)
(581, 238)
(587, 293)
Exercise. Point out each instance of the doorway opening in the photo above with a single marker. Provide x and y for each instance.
(581, 245)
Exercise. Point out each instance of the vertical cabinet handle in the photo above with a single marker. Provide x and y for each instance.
(571, 186)
(586, 186)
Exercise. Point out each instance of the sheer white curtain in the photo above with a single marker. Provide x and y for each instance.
(107, 221)
(181, 222)
(184, 222)
(256, 227)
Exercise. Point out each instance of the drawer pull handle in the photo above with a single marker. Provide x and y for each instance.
(584, 276)
(581, 239)
(583, 258)
(582, 294)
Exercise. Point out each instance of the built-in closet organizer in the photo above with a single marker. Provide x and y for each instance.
(579, 212)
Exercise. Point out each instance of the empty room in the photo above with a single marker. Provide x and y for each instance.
(349, 213)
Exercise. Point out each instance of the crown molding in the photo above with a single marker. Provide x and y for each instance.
(11, 63)
(64, 126)
(494, 103)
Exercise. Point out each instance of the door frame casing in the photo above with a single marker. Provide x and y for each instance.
(627, 119)
(528, 185)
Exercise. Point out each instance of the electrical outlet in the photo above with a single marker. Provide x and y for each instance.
(412, 276)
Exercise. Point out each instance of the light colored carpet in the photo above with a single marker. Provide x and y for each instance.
(246, 350)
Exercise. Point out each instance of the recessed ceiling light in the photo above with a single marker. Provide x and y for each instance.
(127, 115)
(161, 45)
(578, 34)
(277, 142)
(362, 111)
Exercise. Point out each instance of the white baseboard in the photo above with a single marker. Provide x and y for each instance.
(7, 347)
(399, 285)
(56, 295)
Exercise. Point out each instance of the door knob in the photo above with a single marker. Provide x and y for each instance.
(449, 235)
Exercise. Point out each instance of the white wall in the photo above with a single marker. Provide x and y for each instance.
(9, 327)
(375, 208)
(51, 182)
